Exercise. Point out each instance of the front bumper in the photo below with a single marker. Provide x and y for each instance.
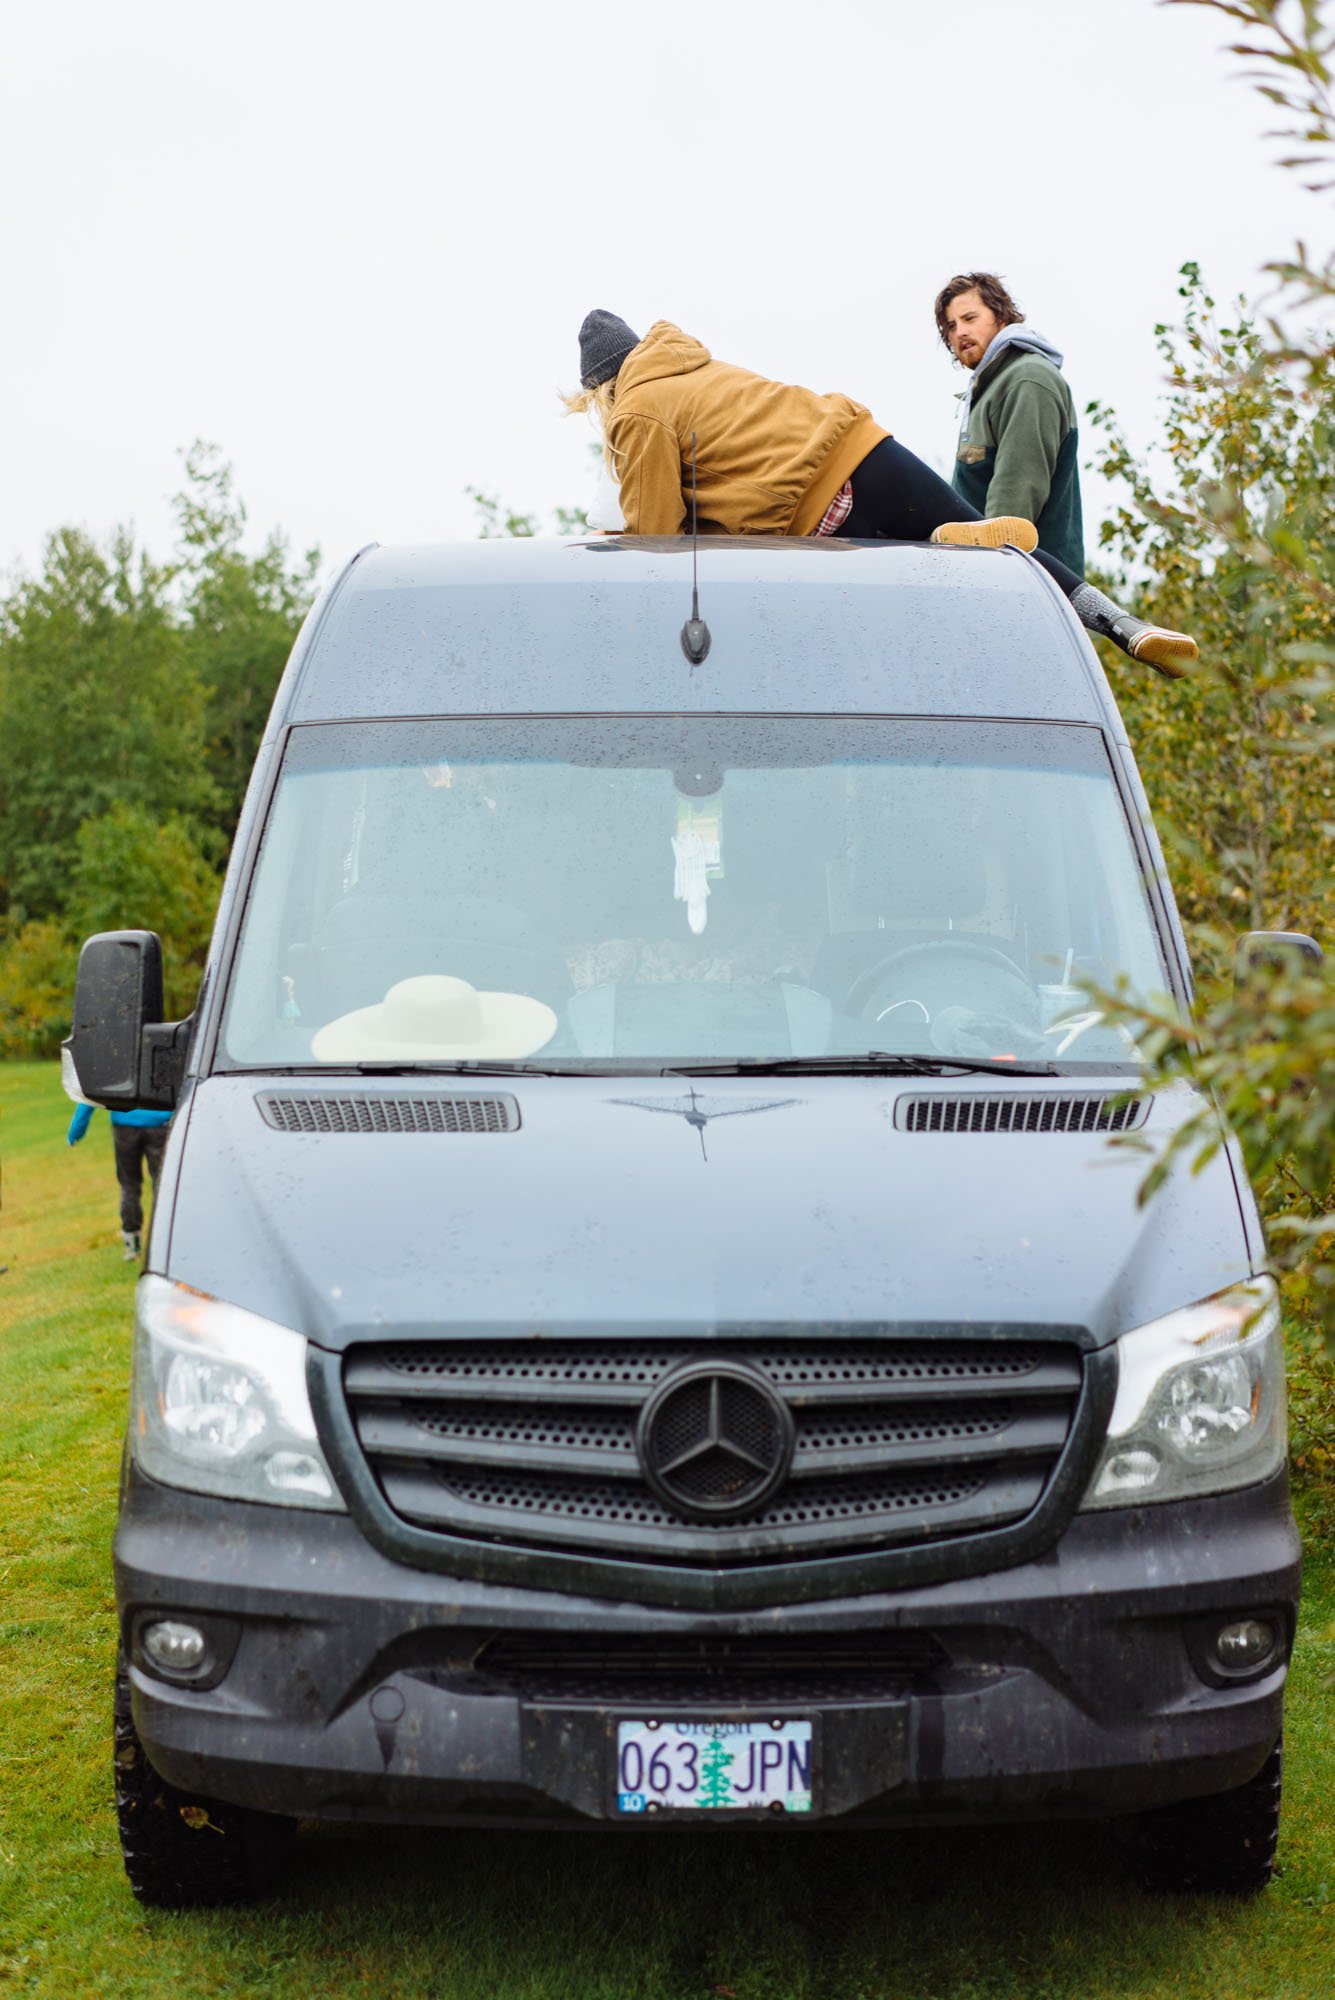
(343, 1686)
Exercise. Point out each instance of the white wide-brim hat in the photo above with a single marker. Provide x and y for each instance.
(433, 1016)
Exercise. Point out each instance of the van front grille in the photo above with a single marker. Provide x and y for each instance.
(896, 1441)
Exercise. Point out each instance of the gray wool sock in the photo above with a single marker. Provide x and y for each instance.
(1098, 613)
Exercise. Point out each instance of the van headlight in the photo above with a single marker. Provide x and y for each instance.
(1200, 1402)
(218, 1401)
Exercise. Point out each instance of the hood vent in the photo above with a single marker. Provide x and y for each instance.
(374, 1112)
(1038, 1111)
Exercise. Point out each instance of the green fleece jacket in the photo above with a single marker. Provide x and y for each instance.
(1018, 451)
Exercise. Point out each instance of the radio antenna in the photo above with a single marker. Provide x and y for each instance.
(695, 639)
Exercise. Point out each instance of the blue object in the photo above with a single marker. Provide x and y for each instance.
(83, 1114)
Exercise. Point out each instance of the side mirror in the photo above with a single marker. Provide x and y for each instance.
(1274, 951)
(123, 1054)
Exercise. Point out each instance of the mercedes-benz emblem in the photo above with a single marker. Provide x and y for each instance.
(715, 1440)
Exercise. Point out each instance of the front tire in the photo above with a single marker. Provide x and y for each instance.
(183, 1851)
(1223, 1846)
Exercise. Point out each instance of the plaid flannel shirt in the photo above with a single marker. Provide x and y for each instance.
(838, 511)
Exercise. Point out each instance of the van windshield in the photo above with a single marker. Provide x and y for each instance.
(647, 891)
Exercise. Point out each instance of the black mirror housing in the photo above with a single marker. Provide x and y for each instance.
(1274, 951)
(117, 996)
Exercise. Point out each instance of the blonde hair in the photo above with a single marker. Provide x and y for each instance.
(599, 401)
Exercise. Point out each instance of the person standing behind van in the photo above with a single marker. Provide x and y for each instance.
(140, 1139)
(1018, 449)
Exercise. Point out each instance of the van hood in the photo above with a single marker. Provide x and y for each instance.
(640, 1201)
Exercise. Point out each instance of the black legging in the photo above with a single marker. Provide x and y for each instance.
(896, 498)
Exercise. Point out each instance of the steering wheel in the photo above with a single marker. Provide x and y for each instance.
(863, 991)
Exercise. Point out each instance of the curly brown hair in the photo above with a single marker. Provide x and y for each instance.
(989, 289)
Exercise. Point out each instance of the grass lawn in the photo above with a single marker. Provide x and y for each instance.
(456, 1915)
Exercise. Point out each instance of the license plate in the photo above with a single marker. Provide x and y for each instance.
(713, 1766)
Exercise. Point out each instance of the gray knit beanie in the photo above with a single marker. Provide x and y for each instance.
(604, 343)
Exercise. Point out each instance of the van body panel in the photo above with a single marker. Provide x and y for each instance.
(590, 627)
(1032, 1691)
(639, 1200)
(1059, 1663)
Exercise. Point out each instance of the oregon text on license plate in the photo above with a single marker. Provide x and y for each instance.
(703, 1766)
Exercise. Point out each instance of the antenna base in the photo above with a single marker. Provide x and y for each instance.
(695, 640)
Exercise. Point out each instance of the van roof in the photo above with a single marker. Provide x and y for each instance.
(533, 626)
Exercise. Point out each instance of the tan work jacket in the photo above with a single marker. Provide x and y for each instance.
(769, 457)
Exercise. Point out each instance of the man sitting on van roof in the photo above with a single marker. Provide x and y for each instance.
(1018, 449)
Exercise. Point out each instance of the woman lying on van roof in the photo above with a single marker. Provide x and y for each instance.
(774, 459)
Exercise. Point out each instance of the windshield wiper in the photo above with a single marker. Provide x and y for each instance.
(866, 1064)
(457, 1069)
(872, 1062)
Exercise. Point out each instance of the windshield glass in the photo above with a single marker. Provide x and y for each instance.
(669, 890)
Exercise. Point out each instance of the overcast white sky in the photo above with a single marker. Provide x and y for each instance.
(352, 244)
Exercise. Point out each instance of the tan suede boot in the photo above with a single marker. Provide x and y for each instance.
(1006, 530)
(1169, 653)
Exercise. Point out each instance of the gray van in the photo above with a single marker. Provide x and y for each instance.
(646, 1319)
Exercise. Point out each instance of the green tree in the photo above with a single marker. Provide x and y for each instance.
(132, 697)
(37, 963)
(1245, 807)
(98, 705)
(132, 871)
(495, 518)
(241, 614)
(1263, 1055)
(493, 523)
